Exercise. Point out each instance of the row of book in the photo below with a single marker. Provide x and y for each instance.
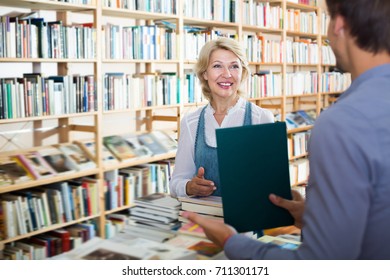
(139, 42)
(123, 186)
(299, 21)
(33, 37)
(29, 210)
(132, 146)
(67, 158)
(125, 91)
(45, 162)
(219, 10)
(299, 171)
(262, 14)
(52, 243)
(298, 143)
(300, 118)
(56, 203)
(154, 6)
(34, 95)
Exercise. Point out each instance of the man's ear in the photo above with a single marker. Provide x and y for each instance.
(339, 25)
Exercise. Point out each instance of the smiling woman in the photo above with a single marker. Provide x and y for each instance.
(221, 69)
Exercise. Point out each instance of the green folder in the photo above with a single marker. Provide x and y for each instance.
(253, 162)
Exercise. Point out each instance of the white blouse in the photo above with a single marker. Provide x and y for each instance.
(185, 160)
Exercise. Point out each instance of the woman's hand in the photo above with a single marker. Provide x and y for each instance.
(199, 185)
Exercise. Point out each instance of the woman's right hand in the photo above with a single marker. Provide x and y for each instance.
(199, 185)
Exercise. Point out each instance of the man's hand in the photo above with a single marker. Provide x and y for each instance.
(199, 185)
(296, 206)
(216, 231)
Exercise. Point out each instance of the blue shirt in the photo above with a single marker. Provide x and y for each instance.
(347, 214)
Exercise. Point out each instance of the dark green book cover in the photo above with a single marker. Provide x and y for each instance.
(253, 162)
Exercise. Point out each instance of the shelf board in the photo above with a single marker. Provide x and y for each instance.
(49, 180)
(124, 61)
(255, 28)
(47, 60)
(331, 92)
(290, 33)
(46, 229)
(300, 6)
(117, 12)
(266, 63)
(48, 5)
(302, 95)
(300, 129)
(208, 23)
(31, 119)
(138, 161)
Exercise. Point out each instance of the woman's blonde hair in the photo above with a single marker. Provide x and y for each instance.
(204, 59)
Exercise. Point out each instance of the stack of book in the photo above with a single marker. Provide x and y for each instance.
(208, 206)
(154, 214)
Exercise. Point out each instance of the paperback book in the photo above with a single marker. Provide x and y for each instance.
(11, 172)
(79, 160)
(35, 165)
(89, 147)
(57, 160)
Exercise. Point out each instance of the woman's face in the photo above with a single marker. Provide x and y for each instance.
(223, 73)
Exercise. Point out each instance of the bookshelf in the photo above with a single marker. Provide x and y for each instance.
(111, 60)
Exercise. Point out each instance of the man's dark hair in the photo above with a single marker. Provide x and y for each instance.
(368, 21)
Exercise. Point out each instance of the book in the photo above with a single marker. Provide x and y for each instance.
(76, 156)
(12, 172)
(101, 249)
(210, 205)
(158, 201)
(163, 217)
(158, 142)
(36, 165)
(308, 117)
(89, 147)
(166, 140)
(119, 147)
(140, 210)
(185, 220)
(164, 251)
(281, 241)
(204, 248)
(192, 229)
(135, 144)
(57, 160)
(150, 233)
(256, 155)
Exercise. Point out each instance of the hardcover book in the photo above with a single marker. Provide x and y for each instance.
(253, 163)
(119, 147)
(210, 205)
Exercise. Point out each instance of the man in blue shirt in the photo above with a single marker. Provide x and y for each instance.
(346, 214)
